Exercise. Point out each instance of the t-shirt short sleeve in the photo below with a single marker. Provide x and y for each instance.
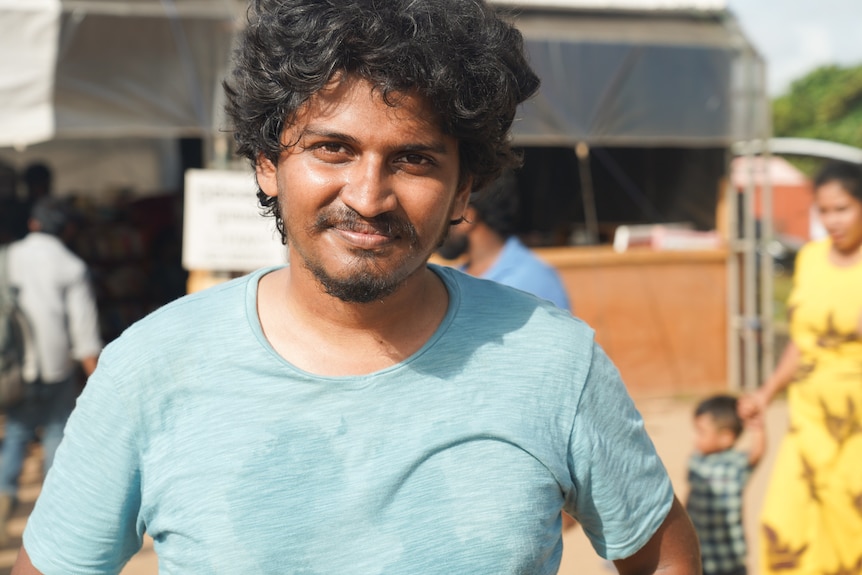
(86, 518)
(622, 490)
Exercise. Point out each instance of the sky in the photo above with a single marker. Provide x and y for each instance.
(797, 36)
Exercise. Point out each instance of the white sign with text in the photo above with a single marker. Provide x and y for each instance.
(223, 225)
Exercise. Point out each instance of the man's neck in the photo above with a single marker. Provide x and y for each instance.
(322, 334)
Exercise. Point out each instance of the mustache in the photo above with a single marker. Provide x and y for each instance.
(346, 218)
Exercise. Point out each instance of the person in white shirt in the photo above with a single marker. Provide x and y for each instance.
(54, 292)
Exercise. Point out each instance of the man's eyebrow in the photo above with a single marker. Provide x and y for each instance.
(437, 146)
(327, 134)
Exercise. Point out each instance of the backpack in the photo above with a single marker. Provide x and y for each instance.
(18, 364)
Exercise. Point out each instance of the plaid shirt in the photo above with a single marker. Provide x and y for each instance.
(714, 504)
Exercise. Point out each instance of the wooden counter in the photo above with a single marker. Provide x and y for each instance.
(661, 316)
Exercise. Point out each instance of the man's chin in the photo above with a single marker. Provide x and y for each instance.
(357, 286)
(363, 280)
(358, 291)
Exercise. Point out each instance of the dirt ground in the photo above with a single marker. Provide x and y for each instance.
(668, 420)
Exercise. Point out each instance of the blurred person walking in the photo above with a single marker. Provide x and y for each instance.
(54, 292)
(811, 520)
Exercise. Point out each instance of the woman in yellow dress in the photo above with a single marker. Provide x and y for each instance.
(811, 522)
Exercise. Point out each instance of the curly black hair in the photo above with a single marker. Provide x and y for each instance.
(458, 54)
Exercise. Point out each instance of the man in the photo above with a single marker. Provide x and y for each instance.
(54, 292)
(487, 237)
(359, 411)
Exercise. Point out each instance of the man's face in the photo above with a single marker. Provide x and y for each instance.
(366, 190)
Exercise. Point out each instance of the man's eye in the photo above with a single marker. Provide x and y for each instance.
(330, 148)
(418, 159)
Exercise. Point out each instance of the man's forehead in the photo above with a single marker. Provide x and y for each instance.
(346, 85)
(345, 91)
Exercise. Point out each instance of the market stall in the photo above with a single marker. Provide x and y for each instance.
(640, 106)
(117, 99)
(643, 103)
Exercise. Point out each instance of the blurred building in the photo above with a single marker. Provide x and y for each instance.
(791, 192)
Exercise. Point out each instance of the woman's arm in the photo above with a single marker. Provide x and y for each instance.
(756, 402)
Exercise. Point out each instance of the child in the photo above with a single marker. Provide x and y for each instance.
(717, 475)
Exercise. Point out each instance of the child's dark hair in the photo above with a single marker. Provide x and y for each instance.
(722, 409)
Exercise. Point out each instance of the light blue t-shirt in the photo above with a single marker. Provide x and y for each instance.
(456, 460)
(518, 267)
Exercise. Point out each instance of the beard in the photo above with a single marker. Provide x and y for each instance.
(454, 246)
(362, 286)
(367, 280)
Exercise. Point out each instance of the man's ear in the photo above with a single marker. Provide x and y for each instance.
(267, 175)
(462, 199)
(470, 214)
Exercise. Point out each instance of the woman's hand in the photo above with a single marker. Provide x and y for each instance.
(753, 405)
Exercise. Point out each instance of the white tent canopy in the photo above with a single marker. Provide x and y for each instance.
(31, 31)
(109, 68)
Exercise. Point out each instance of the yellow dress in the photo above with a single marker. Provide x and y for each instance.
(811, 521)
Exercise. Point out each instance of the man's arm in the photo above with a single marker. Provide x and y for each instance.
(23, 566)
(673, 550)
(88, 364)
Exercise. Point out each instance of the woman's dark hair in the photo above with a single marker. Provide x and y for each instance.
(848, 174)
(458, 54)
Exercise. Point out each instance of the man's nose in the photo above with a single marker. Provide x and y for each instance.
(368, 188)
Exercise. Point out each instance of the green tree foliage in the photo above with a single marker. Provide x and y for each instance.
(825, 104)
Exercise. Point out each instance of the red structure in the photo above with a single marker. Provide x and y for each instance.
(791, 192)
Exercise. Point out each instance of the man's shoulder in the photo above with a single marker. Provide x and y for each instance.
(516, 252)
(497, 305)
(521, 268)
(44, 245)
(207, 315)
(202, 306)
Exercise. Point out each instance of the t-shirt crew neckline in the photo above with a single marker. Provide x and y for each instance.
(449, 282)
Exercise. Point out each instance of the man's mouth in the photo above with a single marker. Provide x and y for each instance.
(363, 232)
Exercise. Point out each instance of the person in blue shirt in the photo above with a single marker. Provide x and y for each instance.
(486, 239)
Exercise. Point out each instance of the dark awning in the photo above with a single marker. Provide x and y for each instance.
(622, 79)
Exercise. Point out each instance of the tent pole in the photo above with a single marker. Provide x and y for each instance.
(591, 219)
(733, 306)
(749, 277)
(767, 269)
